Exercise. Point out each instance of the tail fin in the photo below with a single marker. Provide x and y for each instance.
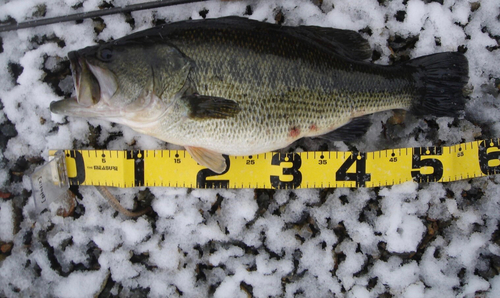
(442, 78)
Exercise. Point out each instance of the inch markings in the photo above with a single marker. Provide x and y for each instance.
(175, 168)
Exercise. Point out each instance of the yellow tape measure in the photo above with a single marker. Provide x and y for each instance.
(176, 168)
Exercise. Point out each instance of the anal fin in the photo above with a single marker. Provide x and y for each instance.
(210, 159)
(351, 131)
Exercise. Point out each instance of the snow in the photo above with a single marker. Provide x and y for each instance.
(6, 221)
(80, 284)
(401, 229)
(409, 240)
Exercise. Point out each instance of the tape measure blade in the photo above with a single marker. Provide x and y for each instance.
(176, 168)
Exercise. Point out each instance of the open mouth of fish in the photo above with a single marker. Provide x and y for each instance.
(94, 86)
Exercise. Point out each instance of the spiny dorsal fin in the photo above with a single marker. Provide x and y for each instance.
(345, 43)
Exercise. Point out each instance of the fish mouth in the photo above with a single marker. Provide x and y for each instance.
(94, 87)
(86, 84)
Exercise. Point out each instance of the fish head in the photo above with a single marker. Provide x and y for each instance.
(125, 82)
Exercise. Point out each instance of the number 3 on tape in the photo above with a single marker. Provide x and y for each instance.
(293, 171)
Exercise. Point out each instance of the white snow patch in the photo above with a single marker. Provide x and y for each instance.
(6, 221)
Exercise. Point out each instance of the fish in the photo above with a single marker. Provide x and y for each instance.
(235, 86)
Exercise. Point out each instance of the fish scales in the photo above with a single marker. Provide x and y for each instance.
(241, 87)
(282, 85)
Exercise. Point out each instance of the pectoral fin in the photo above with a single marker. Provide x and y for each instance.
(210, 159)
(205, 107)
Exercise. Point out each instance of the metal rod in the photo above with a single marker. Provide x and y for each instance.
(94, 14)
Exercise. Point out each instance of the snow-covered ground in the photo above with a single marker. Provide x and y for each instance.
(427, 240)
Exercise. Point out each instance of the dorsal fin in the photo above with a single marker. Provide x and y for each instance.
(345, 43)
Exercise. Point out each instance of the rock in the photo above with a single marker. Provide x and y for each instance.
(5, 195)
(6, 247)
(8, 129)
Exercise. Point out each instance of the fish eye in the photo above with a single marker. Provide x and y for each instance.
(105, 54)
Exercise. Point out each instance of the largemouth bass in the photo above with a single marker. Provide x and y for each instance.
(241, 87)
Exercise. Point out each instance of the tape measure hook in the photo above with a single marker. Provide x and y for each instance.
(50, 185)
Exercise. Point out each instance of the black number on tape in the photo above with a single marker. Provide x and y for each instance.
(360, 176)
(203, 182)
(485, 156)
(419, 161)
(296, 161)
(138, 157)
(80, 167)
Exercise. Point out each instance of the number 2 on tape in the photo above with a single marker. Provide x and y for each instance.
(203, 182)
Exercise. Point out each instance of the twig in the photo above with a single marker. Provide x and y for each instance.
(103, 190)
